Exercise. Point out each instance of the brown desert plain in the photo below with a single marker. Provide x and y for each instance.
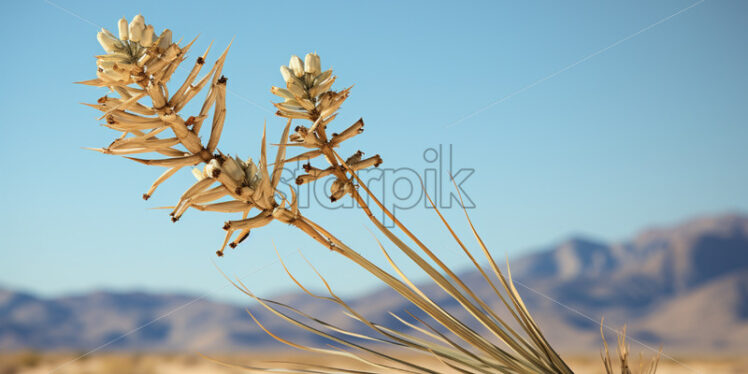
(34, 363)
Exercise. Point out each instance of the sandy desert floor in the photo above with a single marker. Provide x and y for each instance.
(35, 363)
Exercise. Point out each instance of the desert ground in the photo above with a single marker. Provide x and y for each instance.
(118, 363)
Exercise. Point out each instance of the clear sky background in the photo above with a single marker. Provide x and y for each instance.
(651, 131)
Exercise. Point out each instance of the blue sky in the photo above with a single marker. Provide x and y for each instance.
(650, 131)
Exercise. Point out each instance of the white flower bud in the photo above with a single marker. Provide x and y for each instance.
(312, 64)
(165, 40)
(137, 27)
(123, 35)
(286, 73)
(148, 36)
(297, 66)
(108, 41)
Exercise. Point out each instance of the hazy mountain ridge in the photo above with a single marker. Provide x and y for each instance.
(685, 287)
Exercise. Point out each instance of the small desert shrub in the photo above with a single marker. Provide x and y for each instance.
(624, 360)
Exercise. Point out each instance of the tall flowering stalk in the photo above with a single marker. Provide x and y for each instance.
(138, 65)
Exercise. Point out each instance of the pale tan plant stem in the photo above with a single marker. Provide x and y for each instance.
(532, 355)
(420, 301)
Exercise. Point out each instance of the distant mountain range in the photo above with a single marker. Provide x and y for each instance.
(683, 287)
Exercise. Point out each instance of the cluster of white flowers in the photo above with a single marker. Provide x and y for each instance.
(307, 94)
(138, 64)
(137, 48)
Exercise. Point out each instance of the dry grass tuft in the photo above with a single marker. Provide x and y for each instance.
(624, 361)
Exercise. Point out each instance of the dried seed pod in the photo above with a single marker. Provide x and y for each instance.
(363, 164)
(317, 173)
(356, 157)
(304, 136)
(348, 133)
(306, 178)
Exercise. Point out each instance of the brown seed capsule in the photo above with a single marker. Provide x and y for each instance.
(363, 164)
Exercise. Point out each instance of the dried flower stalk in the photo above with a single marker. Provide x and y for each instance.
(138, 65)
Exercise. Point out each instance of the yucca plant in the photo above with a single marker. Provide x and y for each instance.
(138, 66)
